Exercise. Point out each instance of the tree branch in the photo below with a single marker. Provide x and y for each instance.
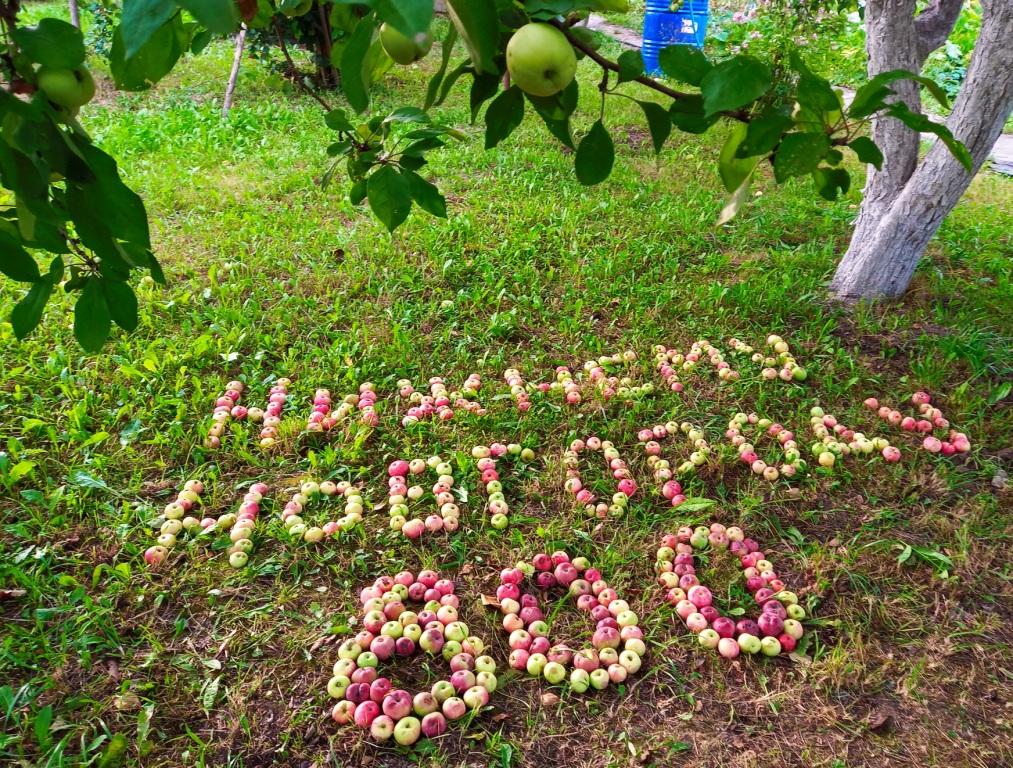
(295, 70)
(934, 24)
(654, 85)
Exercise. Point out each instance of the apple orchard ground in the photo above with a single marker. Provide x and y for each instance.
(197, 664)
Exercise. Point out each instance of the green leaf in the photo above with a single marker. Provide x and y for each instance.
(814, 92)
(631, 66)
(55, 273)
(447, 49)
(867, 151)
(337, 120)
(426, 195)
(687, 114)
(221, 16)
(734, 83)
(122, 303)
(140, 20)
(763, 134)
(659, 123)
(200, 41)
(409, 17)
(867, 100)
(477, 22)
(696, 504)
(209, 692)
(831, 183)
(119, 207)
(923, 124)
(684, 63)
(358, 192)
(354, 80)
(41, 724)
(82, 479)
(558, 127)
(733, 169)
(407, 115)
(905, 554)
(15, 261)
(555, 112)
(27, 313)
(91, 316)
(51, 43)
(483, 88)
(871, 96)
(595, 156)
(799, 154)
(449, 80)
(735, 201)
(504, 114)
(153, 61)
(389, 196)
(115, 752)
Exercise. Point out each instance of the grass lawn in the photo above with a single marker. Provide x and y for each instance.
(905, 567)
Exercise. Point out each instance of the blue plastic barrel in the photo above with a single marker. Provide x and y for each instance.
(663, 27)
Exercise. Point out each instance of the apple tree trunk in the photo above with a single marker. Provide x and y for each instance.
(906, 200)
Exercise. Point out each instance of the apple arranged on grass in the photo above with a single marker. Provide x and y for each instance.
(789, 369)
(837, 439)
(438, 403)
(487, 457)
(447, 516)
(792, 465)
(617, 644)
(227, 407)
(931, 418)
(777, 629)
(178, 518)
(670, 488)
(277, 397)
(392, 632)
(322, 418)
(310, 493)
(626, 486)
(602, 370)
(670, 362)
(663, 357)
(540, 60)
(68, 88)
(518, 389)
(562, 383)
(740, 346)
(403, 49)
(241, 525)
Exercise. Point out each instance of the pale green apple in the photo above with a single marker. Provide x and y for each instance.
(404, 50)
(540, 59)
(70, 88)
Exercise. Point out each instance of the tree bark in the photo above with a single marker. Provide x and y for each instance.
(75, 14)
(237, 59)
(883, 260)
(891, 43)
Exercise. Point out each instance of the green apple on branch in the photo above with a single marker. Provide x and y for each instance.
(70, 88)
(402, 48)
(540, 60)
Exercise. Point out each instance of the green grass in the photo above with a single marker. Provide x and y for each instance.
(197, 664)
